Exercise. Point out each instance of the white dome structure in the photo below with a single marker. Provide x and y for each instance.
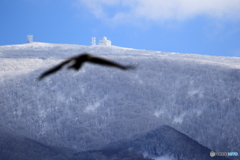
(105, 42)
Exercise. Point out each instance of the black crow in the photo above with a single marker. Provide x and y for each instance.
(79, 60)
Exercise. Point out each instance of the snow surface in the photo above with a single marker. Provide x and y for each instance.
(163, 142)
(165, 158)
(196, 94)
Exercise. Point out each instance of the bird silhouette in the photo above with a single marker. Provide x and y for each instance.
(78, 62)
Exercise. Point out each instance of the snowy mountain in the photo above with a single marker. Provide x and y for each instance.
(16, 147)
(195, 94)
(164, 142)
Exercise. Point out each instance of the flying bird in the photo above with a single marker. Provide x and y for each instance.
(77, 62)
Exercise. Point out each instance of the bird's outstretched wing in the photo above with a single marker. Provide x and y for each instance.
(79, 59)
(54, 69)
(106, 62)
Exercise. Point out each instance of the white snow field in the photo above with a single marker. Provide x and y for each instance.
(198, 95)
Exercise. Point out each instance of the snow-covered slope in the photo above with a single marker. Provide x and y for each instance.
(163, 142)
(16, 147)
(198, 95)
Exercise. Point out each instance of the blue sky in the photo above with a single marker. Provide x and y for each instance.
(209, 27)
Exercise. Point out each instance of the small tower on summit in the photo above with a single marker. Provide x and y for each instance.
(93, 41)
(29, 38)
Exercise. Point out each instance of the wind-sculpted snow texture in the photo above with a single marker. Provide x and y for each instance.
(195, 94)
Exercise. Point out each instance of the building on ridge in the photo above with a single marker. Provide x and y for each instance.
(29, 38)
(103, 42)
(93, 41)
